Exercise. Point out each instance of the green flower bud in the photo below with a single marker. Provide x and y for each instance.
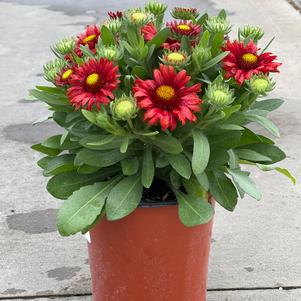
(184, 13)
(219, 95)
(64, 46)
(124, 108)
(52, 68)
(112, 53)
(137, 17)
(156, 8)
(217, 24)
(200, 55)
(114, 25)
(261, 84)
(175, 58)
(253, 32)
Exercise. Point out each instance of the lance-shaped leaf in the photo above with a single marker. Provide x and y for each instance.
(82, 208)
(193, 210)
(60, 164)
(268, 104)
(201, 152)
(159, 38)
(180, 164)
(223, 190)
(148, 169)
(124, 197)
(166, 143)
(242, 179)
(101, 142)
(214, 61)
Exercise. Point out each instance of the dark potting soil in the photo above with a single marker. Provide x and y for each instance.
(159, 194)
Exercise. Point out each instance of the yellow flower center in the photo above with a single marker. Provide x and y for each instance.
(250, 58)
(137, 17)
(89, 38)
(175, 57)
(184, 27)
(165, 92)
(67, 74)
(92, 79)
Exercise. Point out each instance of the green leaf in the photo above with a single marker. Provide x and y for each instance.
(44, 161)
(124, 144)
(52, 90)
(269, 150)
(249, 137)
(281, 170)
(60, 164)
(87, 169)
(101, 142)
(203, 180)
(82, 208)
(201, 152)
(214, 61)
(132, 36)
(231, 110)
(139, 72)
(175, 179)
(266, 123)
(185, 44)
(180, 164)
(204, 41)
(63, 185)
(55, 142)
(100, 158)
(222, 14)
(159, 38)
(148, 169)
(245, 183)
(218, 158)
(166, 143)
(193, 210)
(268, 104)
(161, 161)
(225, 140)
(223, 190)
(202, 19)
(251, 155)
(107, 36)
(124, 198)
(130, 166)
(217, 43)
(50, 98)
(46, 150)
(233, 159)
(90, 116)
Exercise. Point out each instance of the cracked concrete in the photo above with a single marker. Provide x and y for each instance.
(255, 247)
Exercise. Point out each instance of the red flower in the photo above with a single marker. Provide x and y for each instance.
(115, 15)
(149, 31)
(243, 61)
(172, 45)
(93, 83)
(184, 28)
(63, 78)
(90, 38)
(167, 98)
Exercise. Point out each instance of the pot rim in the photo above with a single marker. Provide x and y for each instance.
(148, 203)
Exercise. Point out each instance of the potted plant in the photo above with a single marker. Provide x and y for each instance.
(156, 129)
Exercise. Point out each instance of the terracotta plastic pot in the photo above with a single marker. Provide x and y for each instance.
(149, 256)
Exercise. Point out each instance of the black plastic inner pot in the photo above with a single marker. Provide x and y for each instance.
(158, 195)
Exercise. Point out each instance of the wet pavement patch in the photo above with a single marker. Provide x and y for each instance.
(36, 222)
(63, 273)
(13, 291)
(31, 134)
(249, 269)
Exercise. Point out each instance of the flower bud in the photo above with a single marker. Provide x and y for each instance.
(200, 55)
(124, 108)
(219, 95)
(137, 17)
(261, 84)
(253, 32)
(112, 53)
(218, 24)
(156, 8)
(114, 25)
(184, 13)
(53, 68)
(175, 58)
(64, 46)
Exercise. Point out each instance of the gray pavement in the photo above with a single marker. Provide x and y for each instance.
(255, 250)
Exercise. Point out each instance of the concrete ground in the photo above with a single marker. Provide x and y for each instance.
(255, 250)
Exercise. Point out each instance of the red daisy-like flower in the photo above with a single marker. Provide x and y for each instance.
(92, 84)
(115, 15)
(167, 98)
(243, 61)
(63, 78)
(149, 31)
(184, 28)
(89, 37)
